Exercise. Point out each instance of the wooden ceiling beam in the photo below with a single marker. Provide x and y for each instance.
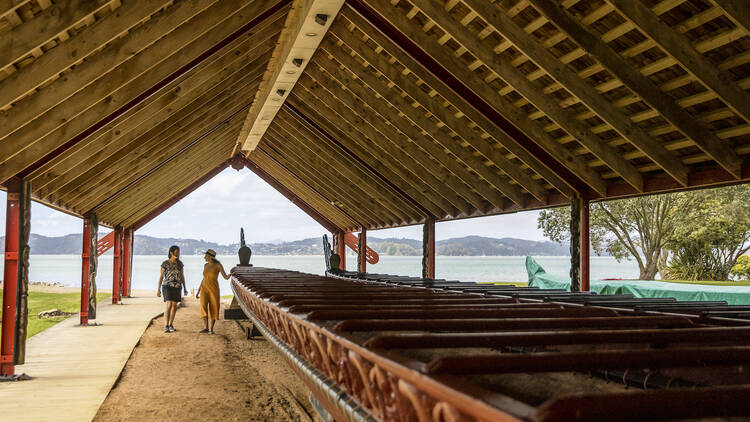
(45, 27)
(326, 180)
(373, 155)
(204, 153)
(98, 62)
(179, 98)
(155, 67)
(452, 97)
(287, 182)
(388, 179)
(428, 169)
(351, 171)
(718, 150)
(440, 134)
(306, 24)
(738, 11)
(445, 116)
(682, 50)
(417, 173)
(563, 117)
(476, 91)
(134, 162)
(9, 6)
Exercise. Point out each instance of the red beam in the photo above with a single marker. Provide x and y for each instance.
(301, 204)
(117, 266)
(585, 245)
(10, 276)
(85, 257)
(362, 260)
(428, 249)
(127, 260)
(179, 196)
(446, 77)
(156, 88)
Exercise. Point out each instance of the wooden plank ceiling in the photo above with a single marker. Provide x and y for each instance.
(407, 109)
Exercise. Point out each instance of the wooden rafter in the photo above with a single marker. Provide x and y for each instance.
(475, 117)
(717, 149)
(532, 129)
(683, 51)
(305, 27)
(737, 10)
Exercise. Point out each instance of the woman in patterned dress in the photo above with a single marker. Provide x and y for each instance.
(170, 281)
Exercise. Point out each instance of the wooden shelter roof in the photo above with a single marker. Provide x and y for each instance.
(401, 110)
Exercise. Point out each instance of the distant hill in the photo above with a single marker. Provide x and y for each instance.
(462, 246)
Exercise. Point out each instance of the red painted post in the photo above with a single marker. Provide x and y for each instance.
(10, 276)
(585, 258)
(127, 245)
(362, 257)
(341, 250)
(85, 256)
(117, 267)
(428, 249)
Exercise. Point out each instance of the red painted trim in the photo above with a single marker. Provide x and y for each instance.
(85, 254)
(352, 242)
(155, 88)
(585, 245)
(105, 243)
(323, 133)
(341, 249)
(299, 202)
(179, 196)
(446, 77)
(10, 276)
(117, 266)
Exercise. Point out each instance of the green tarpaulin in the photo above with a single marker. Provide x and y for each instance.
(733, 295)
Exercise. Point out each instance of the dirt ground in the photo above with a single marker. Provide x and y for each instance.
(185, 376)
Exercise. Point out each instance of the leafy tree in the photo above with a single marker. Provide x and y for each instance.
(741, 268)
(638, 227)
(713, 233)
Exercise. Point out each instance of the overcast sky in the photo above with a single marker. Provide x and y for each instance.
(216, 211)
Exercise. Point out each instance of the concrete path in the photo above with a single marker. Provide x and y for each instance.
(73, 367)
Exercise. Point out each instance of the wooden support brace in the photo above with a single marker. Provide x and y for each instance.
(428, 249)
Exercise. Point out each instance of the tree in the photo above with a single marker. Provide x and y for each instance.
(713, 233)
(637, 227)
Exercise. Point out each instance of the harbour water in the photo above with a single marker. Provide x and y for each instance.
(66, 269)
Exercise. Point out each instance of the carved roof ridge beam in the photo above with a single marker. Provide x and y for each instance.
(304, 29)
(682, 50)
(720, 151)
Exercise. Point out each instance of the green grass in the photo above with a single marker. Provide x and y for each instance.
(42, 301)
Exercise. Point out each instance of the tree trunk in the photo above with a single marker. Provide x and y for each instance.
(648, 271)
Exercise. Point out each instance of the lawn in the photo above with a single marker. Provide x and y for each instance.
(40, 301)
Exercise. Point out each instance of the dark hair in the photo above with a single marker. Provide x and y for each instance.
(172, 249)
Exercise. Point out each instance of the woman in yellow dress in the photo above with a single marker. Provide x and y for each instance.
(209, 300)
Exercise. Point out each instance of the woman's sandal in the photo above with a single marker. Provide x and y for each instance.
(203, 331)
(210, 331)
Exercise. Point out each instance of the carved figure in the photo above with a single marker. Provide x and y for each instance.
(245, 253)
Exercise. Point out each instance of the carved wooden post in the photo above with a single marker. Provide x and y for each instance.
(341, 250)
(127, 260)
(15, 276)
(88, 268)
(117, 266)
(575, 244)
(585, 248)
(428, 248)
(362, 251)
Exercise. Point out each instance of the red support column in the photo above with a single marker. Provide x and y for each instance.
(341, 245)
(85, 257)
(10, 276)
(585, 247)
(428, 249)
(117, 267)
(362, 251)
(127, 251)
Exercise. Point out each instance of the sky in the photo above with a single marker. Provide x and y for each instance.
(216, 211)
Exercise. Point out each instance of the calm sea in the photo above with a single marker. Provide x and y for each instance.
(66, 269)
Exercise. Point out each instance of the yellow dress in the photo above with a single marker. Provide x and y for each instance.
(210, 292)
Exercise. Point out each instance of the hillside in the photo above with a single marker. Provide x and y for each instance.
(463, 246)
